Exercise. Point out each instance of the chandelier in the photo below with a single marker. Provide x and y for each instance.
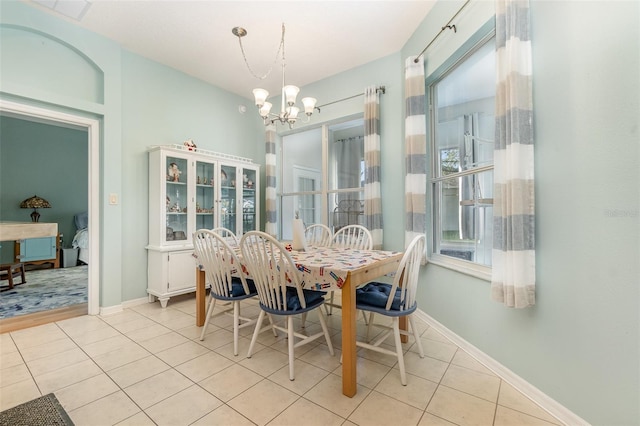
(288, 111)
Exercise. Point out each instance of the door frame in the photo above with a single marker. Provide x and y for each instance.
(93, 139)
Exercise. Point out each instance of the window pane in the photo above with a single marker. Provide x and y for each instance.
(301, 151)
(465, 104)
(307, 205)
(304, 170)
(347, 208)
(463, 133)
(465, 209)
(346, 155)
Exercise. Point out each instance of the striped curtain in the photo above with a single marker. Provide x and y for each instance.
(514, 262)
(372, 196)
(415, 182)
(271, 224)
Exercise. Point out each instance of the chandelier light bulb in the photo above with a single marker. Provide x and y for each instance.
(292, 113)
(290, 93)
(260, 96)
(265, 109)
(309, 105)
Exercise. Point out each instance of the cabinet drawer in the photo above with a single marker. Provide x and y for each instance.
(37, 249)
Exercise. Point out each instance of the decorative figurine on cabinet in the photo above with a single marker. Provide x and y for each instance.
(191, 146)
(174, 172)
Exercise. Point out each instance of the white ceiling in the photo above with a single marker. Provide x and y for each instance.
(323, 38)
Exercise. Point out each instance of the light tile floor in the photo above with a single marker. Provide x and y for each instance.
(146, 366)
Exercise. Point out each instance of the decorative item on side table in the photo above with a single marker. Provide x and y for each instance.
(35, 203)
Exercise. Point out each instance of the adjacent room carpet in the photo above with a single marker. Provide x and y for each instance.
(45, 289)
(43, 411)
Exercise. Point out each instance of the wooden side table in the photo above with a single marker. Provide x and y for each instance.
(44, 252)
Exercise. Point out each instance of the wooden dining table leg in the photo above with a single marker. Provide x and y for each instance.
(201, 295)
(404, 326)
(349, 376)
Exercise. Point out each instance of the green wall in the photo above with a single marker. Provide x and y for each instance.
(138, 103)
(46, 160)
(579, 344)
(163, 106)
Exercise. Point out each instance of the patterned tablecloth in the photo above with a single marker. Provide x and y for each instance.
(326, 268)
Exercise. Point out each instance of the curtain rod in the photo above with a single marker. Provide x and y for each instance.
(448, 26)
(378, 89)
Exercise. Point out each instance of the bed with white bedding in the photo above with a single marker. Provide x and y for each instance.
(81, 238)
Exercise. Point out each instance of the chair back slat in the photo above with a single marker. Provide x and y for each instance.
(353, 236)
(271, 269)
(406, 277)
(219, 260)
(318, 235)
(228, 235)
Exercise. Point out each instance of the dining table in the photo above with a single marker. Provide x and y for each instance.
(325, 269)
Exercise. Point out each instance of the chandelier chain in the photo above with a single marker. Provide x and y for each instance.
(280, 49)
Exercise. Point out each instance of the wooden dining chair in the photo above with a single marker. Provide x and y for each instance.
(230, 237)
(318, 235)
(394, 301)
(10, 271)
(280, 291)
(350, 236)
(223, 272)
(353, 236)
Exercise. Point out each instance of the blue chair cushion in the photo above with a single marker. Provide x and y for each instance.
(311, 297)
(376, 294)
(237, 289)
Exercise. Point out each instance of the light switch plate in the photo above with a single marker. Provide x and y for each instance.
(113, 199)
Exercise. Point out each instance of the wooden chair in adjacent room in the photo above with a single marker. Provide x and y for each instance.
(9, 272)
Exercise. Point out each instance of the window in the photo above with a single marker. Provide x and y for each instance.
(322, 176)
(462, 116)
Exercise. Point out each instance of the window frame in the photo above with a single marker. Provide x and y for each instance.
(484, 35)
(324, 192)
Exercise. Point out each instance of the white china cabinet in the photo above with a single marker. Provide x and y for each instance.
(191, 190)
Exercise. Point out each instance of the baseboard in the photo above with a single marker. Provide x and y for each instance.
(110, 310)
(135, 302)
(541, 399)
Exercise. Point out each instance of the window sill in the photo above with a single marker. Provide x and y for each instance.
(467, 268)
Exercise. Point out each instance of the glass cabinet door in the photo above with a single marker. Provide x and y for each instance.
(177, 199)
(205, 195)
(228, 217)
(248, 200)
